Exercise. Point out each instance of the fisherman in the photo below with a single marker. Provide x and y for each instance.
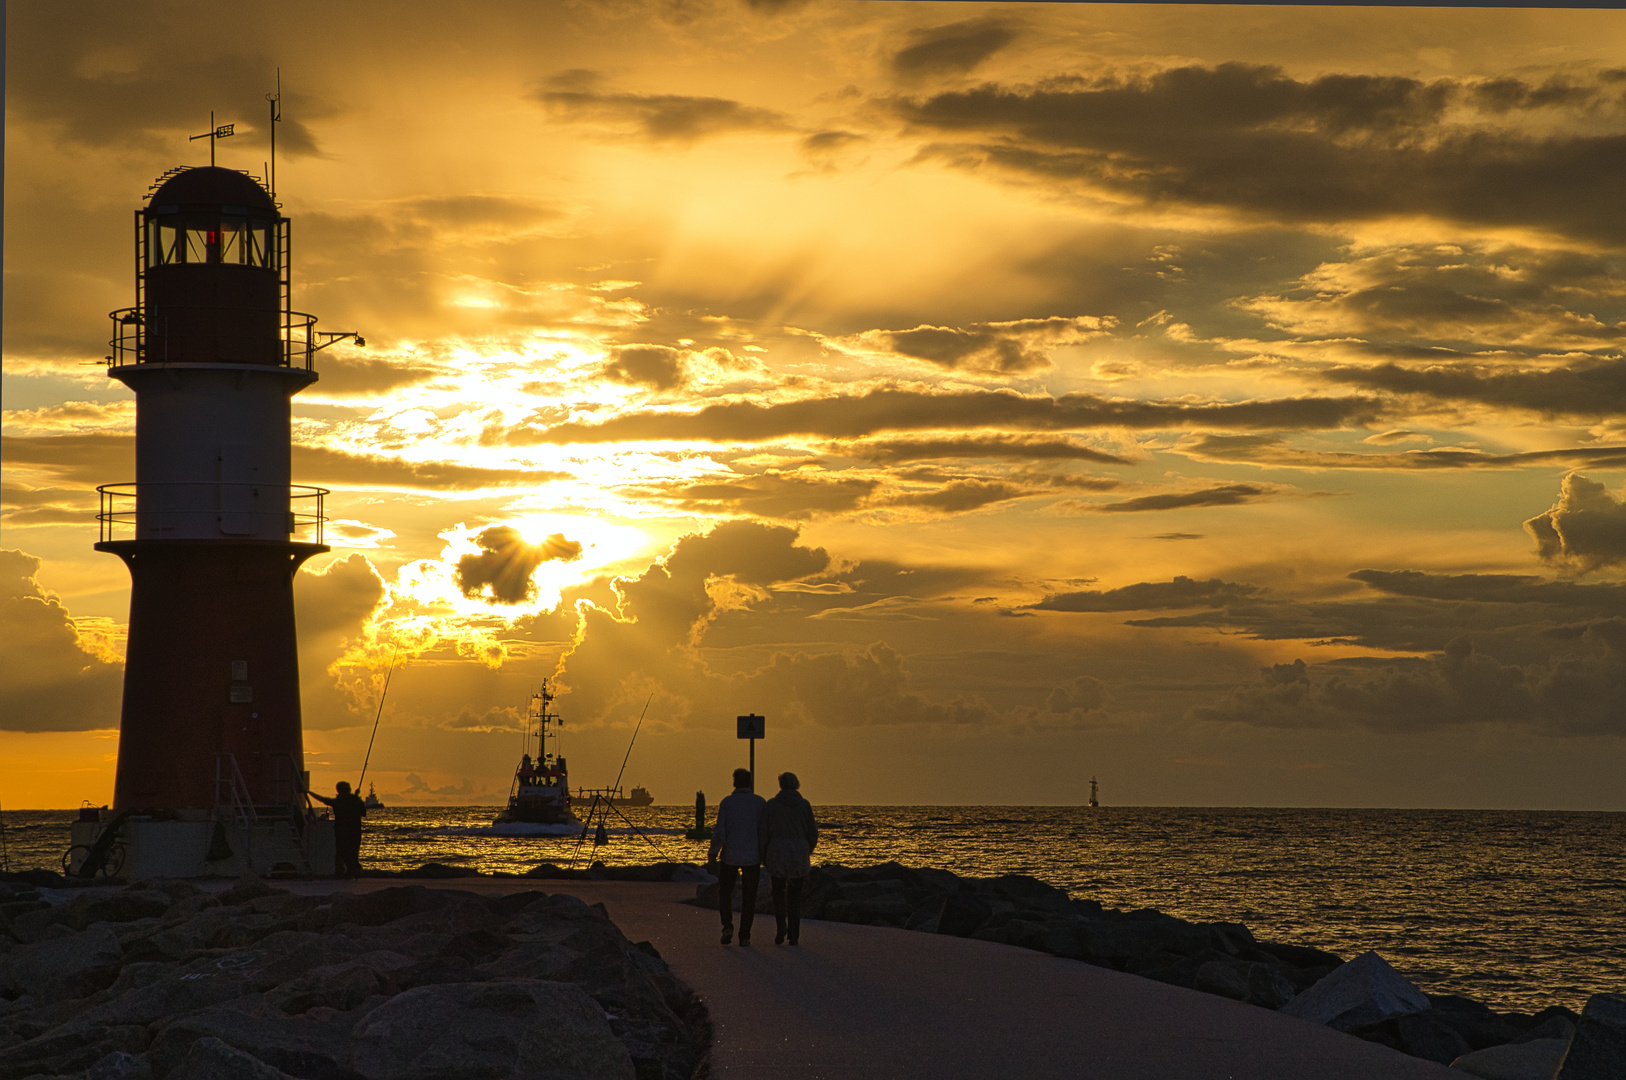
(348, 810)
(736, 847)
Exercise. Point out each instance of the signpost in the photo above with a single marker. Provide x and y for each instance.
(752, 727)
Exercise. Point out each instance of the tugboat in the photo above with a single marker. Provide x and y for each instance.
(373, 802)
(540, 793)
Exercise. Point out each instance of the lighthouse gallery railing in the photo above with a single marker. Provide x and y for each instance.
(120, 517)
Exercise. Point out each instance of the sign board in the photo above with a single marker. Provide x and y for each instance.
(751, 727)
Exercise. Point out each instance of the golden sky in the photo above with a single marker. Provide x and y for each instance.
(1225, 402)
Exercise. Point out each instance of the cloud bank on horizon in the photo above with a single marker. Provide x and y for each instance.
(1225, 402)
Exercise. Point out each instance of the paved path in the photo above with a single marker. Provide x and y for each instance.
(867, 1003)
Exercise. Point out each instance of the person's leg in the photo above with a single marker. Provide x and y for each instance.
(778, 909)
(794, 904)
(750, 877)
(725, 898)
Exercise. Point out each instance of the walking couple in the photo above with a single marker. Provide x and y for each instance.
(752, 832)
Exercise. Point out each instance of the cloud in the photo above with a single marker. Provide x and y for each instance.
(1271, 450)
(891, 409)
(501, 572)
(349, 376)
(659, 117)
(49, 680)
(1219, 495)
(955, 49)
(1181, 592)
(1084, 694)
(1335, 148)
(792, 496)
(657, 366)
(977, 446)
(1585, 528)
(1591, 388)
(1003, 347)
(1583, 693)
(960, 496)
(1495, 589)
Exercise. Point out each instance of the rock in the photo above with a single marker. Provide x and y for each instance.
(1534, 1060)
(303, 1046)
(1598, 1051)
(440, 870)
(339, 986)
(1476, 1023)
(59, 960)
(690, 872)
(120, 906)
(120, 1065)
(211, 1059)
(962, 913)
(69, 1051)
(1361, 993)
(1243, 980)
(248, 887)
(1553, 1022)
(478, 1030)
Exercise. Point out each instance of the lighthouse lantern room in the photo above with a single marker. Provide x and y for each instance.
(211, 777)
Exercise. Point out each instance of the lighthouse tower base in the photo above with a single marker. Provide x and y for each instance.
(134, 847)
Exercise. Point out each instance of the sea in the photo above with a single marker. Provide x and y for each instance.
(1516, 909)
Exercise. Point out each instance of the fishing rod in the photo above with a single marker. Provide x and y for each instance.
(379, 716)
(609, 802)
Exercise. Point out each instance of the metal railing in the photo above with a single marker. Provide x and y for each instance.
(299, 338)
(121, 515)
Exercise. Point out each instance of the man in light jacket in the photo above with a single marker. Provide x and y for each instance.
(736, 848)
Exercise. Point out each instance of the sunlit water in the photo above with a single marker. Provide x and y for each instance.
(1517, 909)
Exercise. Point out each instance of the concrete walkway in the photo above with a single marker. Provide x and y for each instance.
(868, 1003)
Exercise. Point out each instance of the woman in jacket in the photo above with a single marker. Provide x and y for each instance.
(789, 835)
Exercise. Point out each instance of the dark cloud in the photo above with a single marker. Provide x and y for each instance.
(1591, 388)
(826, 149)
(1181, 592)
(888, 409)
(48, 681)
(1178, 536)
(1582, 692)
(660, 117)
(978, 446)
(792, 496)
(153, 91)
(1586, 528)
(856, 689)
(22, 505)
(348, 376)
(1495, 589)
(1333, 148)
(1084, 694)
(501, 572)
(657, 366)
(1004, 347)
(960, 496)
(1219, 495)
(955, 49)
(1272, 450)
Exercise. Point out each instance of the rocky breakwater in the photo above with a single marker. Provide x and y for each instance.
(1364, 997)
(163, 979)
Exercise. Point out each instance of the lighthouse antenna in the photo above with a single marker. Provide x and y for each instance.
(214, 135)
(276, 118)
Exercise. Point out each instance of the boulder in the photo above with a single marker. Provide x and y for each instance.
(1361, 993)
(1598, 1051)
(31, 967)
(69, 1051)
(440, 870)
(120, 1065)
(1244, 980)
(479, 1030)
(211, 1059)
(120, 906)
(303, 1046)
(1534, 1060)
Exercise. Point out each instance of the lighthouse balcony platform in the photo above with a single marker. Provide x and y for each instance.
(210, 510)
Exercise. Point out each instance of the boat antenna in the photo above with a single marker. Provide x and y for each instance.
(276, 118)
(376, 718)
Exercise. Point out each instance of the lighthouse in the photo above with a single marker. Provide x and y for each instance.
(211, 776)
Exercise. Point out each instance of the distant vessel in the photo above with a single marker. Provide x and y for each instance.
(1094, 793)
(373, 802)
(614, 797)
(540, 793)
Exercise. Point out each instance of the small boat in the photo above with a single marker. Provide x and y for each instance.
(614, 797)
(373, 802)
(540, 793)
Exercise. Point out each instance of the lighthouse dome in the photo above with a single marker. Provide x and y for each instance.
(209, 185)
